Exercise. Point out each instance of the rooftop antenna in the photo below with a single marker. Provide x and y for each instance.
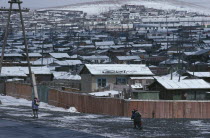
(18, 2)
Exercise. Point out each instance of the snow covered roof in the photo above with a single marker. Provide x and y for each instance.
(39, 70)
(74, 56)
(93, 57)
(45, 61)
(65, 76)
(59, 55)
(23, 71)
(206, 41)
(105, 43)
(13, 55)
(34, 54)
(139, 50)
(141, 78)
(128, 58)
(175, 76)
(118, 69)
(189, 53)
(183, 84)
(15, 79)
(105, 93)
(12, 71)
(62, 49)
(202, 51)
(201, 74)
(172, 61)
(142, 45)
(68, 62)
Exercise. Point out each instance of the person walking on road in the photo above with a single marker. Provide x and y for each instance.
(35, 107)
(136, 117)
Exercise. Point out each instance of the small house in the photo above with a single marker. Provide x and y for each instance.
(41, 73)
(95, 77)
(183, 89)
(32, 56)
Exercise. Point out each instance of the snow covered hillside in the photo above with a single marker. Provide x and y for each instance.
(200, 6)
(98, 6)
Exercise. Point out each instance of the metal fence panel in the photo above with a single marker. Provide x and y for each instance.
(43, 93)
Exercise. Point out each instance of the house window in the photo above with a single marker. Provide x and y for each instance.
(121, 80)
(101, 82)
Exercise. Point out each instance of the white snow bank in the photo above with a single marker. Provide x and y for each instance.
(72, 110)
(8, 100)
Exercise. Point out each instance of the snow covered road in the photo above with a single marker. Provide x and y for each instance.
(103, 125)
(15, 129)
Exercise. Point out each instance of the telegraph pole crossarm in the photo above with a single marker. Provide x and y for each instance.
(15, 10)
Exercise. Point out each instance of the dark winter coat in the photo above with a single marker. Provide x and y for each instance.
(133, 114)
(35, 104)
(137, 117)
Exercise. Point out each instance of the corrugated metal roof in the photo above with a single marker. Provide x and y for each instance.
(201, 74)
(60, 55)
(183, 84)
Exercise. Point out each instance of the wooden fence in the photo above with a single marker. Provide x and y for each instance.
(19, 90)
(118, 107)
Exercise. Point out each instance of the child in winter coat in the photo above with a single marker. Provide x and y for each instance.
(35, 107)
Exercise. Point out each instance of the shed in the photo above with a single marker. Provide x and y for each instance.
(185, 89)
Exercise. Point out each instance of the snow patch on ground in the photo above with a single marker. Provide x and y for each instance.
(91, 116)
(108, 135)
(8, 101)
(201, 126)
(72, 110)
(197, 123)
(74, 118)
(29, 115)
(17, 115)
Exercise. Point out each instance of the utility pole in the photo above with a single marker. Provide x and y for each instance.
(40, 39)
(11, 2)
(167, 29)
(179, 52)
